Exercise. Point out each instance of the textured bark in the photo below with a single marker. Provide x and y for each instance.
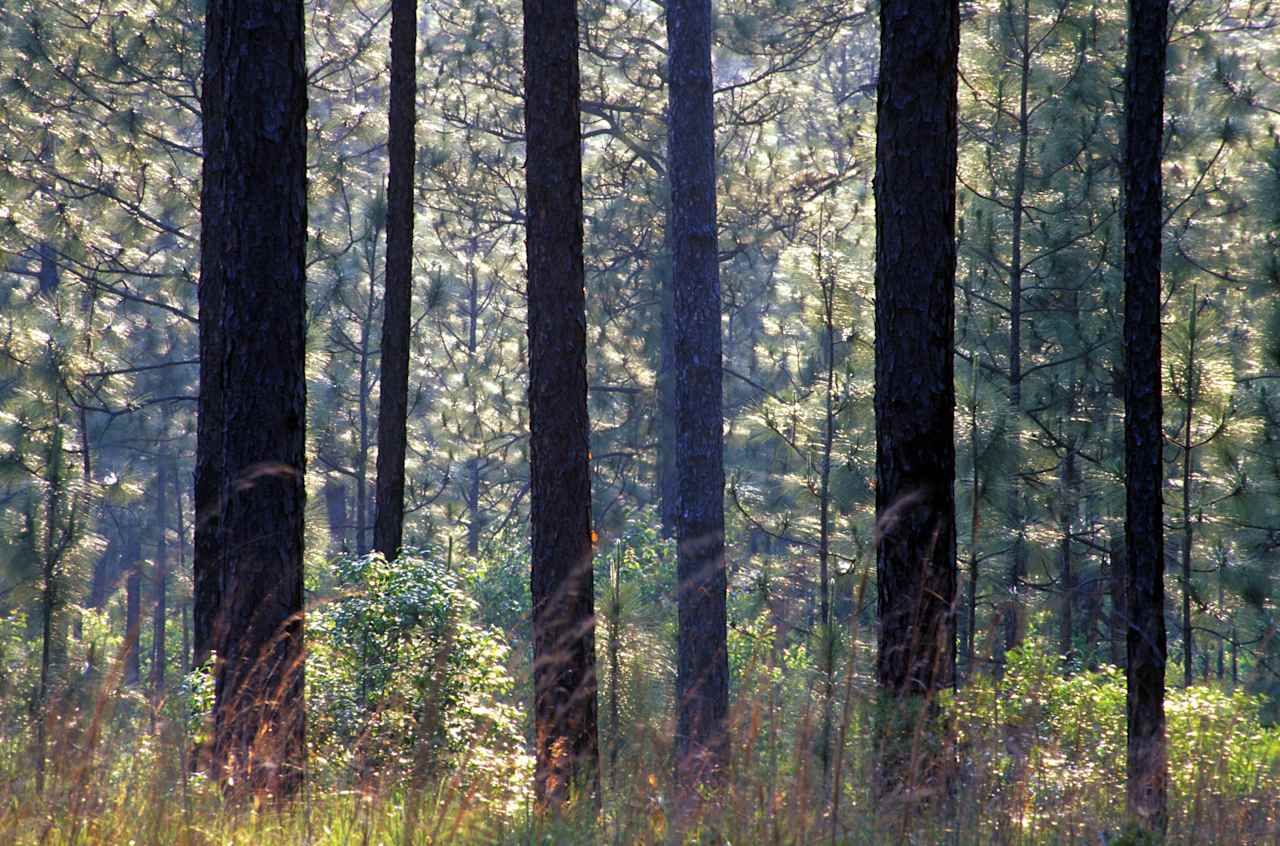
(1144, 468)
(161, 582)
(394, 397)
(702, 674)
(564, 674)
(915, 392)
(249, 472)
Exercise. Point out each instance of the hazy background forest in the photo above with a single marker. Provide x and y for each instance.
(418, 671)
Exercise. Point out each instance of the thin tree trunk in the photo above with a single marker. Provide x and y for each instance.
(915, 392)
(1147, 768)
(252, 412)
(975, 518)
(1015, 625)
(1188, 468)
(1117, 562)
(133, 610)
(702, 673)
(827, 280)
(335, 506)
(565, 722)
(665, 384)
(50, 598)
(398, 299)
(180, 514)
(362, 436)
(158, 657)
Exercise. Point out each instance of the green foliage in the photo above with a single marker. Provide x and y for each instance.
(401, 679)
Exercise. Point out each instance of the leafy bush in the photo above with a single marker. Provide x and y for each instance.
(401, 679)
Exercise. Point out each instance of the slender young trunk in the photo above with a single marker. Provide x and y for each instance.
(564, 673)
(250, 460)
(975, 518)
(366, 378)
(1147, 767)
(825, 624)
(1069, 579)
(1117, 563)
(335, 506)
(615, 665)
(133, 610)
(915, 391)
(1221, 604)
(665, 384)
(50, 597)
(1190, 386)
(397, 301)
(158, 656)
(1015, 625)
(473, 506)
(702, 674)
(180, 515)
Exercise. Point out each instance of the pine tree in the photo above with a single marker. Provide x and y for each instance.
(915, 390)
(564, 672)
(250, 450)
(702, 671)
(1147, 767)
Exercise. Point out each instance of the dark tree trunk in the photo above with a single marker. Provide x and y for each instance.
(1117, 562)
(564, 674)
(106, 569)
(1190, 385)
(702, 674)
(665, 384)
(915, 392)
(161, 582)
(475, 520)
(133, 610)
(1144, 466)
(181, 525)
(394, 398)
(252, 411)
(335, 506)
(1014, 620)
(1068, 577)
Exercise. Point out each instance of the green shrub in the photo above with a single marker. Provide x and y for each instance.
(401, 679)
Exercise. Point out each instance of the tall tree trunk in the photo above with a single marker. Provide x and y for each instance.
(1147, 772)
(1015, 624)
(827, 280)
(161, 582)
(133, 609)
(252, 410)
(393, 409)
(475, 521)
(1190, 386)
(702, 673)
(366, 386)
(1117, 563)
(564, 675)
(50, 598)
(665, 384)
(1068, 577)
(181, 524)
(335, 506)
(915, 392)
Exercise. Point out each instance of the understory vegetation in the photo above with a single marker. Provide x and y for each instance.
(418, 724)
